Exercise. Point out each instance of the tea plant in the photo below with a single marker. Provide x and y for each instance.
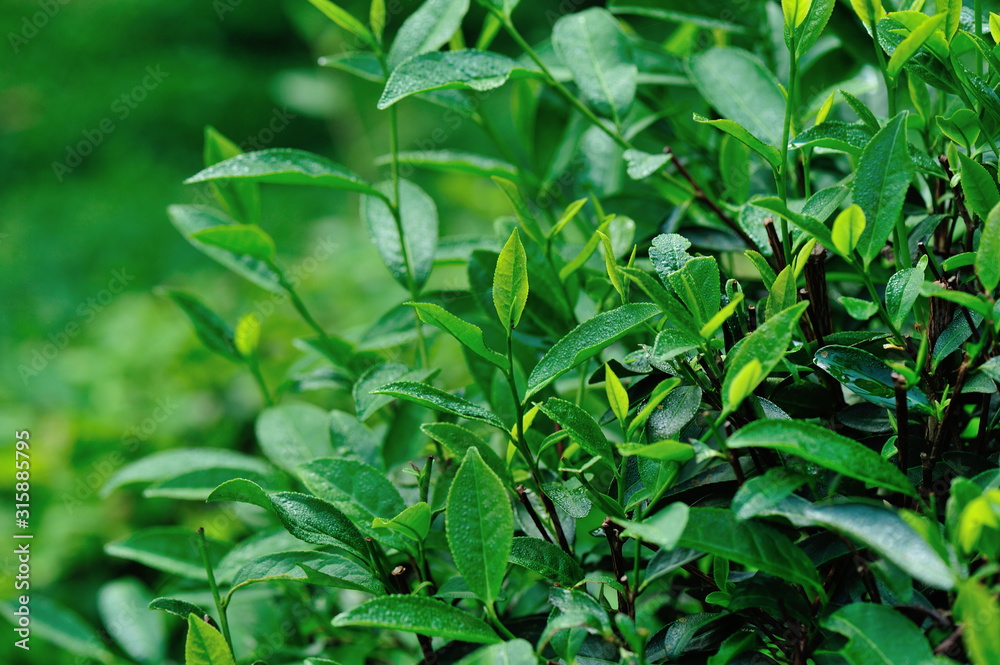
(729, 359)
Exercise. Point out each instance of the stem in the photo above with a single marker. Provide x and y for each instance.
(786, 239)
(902, 421)
(220, 606)
(883, 314)
(902, 252)
(522, 495)
(255, 371)
(495, 620)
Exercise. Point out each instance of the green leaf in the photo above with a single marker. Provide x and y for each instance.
(697, 285)
(581, 427)
(667, 450)
(454, 161)
(240, 199)
(414, 522)
(795, 12)
(306, 517)
(979, 187)
(510, 283)
(587, 340)
(417, 614)
(640, 165)
(902, 291)
(979, 612)
(849, 137)
(717, 531)
(661, 392)
(741, 89)
(862, 111)
(285, 166)
(962, 127)
(439, 400)
(766, 346)
(617, 395)
(247, 335)
(515, 652)
(524, 215)
(743, 384)
(847, 230)
(988, 255)
(466, 69)
(178, 608)
(293, 433)
(876, 633)
(757, 495)
(167, 464)
(241, 240)
(59, 625)
(815, 228)
(591, 45)
(170, 549)
(427, 29)
(867, 376)
(412, 256)
(668, 252)
(860, 310)
(770, 154)
(784, 293)
(953, 10)
(480, 526)
(192, 219)
(468, 334)
(546, 559)
(880, 184)
(342, 18)
(205, 645)
(358, 490)
(322, 568)
(909, 46)
(666, 301)
(821, 446)
(458, 440)
(809, 32)
(574, 503)
(663, 529)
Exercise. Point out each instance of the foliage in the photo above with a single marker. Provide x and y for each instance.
(729, 400)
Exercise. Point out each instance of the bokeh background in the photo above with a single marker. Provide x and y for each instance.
(103, 105)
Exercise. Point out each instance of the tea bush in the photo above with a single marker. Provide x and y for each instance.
(719, 388)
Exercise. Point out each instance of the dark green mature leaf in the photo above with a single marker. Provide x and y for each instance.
(205, 645)
(439, 400)
(765, 345)
(668, 252)
(306, 517)
(546, 559)
(416, 614)
(59, 625)
(345, 20)
(213, 332)
(770, 154)
(978, 186)
(466, 69)
(757, 495)
(902, 291)
(672, 641)
(883, 176)
(366, 404)
(412, 256)
(697, 285)
(741, 89)
(849, 137)
(718, 532)
(574, 503)
(293, 433)
(641, 165)
(811, 28)
(413, 523)
(480, 526)
(179, 608)
(678, 408)
(193, 219)
(878, 634)
(587, 340)
(171, 549)
(815, 228)
(323, 568)
(664, 529)
(988, 256)
(821, 446)
(728, 15)
(167, 464)
(241, 199)
(867, 376)
(591, 45)
(239, 239)
(515, 652)
(510, 283)
(457, 440)
(358, 490)
(581, 427)
(427, 29)
(885, 532)
(454, 161)
(285, 166)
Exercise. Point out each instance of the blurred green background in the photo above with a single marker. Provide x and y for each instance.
(102, 114)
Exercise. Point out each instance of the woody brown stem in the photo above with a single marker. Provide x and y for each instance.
(522, 495)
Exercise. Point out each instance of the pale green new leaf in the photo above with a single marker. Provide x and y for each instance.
(979, 187)
(510, 283)
(242, 240)
(205, 645)
(909, 46)
(470, 335)
(439, 400)
(847, 230)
